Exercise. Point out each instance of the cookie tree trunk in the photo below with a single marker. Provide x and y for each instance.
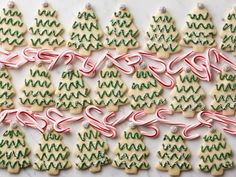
(37, 89)
(215, 154)
(91, 151)
(52, 155)
(121, 33)
(187, 95)
(131, 152)
(14, 151)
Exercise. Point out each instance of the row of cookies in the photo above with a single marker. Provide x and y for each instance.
(130, 152)
(73, 94)
(121, 33)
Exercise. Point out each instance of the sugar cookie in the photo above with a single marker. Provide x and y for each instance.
(145, 93)
(215, 154)
(85, 34)
(91, 151)
(199, 32)
(72, 92)
(131, 152)
(111, 90)
(224, 93)
(37, 89)
(121, 33)
(187, 95)
(162, 35)
(52, 155)
(174, 154)
(12, 28)
(46, 32)
(14, 152)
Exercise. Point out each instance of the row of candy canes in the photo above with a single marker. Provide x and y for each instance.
(131, 152)
(163, 38)
(145, 93)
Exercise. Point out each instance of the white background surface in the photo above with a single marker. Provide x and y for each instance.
(142, 12)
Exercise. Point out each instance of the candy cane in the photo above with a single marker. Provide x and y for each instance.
(27, 118)
(206, 118)
(4, 115)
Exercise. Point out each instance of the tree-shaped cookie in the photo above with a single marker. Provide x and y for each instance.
(228, 33)
(72, 92)
(85, 34)
(224, 93)
(215, 154)
(47, 31)
(52, 155)
(14, 151)
(199, 32)
(162, 35)
(91, 150)
(173, 155)
(12, 28)
(121, 33)
(187, 95)
(131, 152)
(145, 92)
(6, 90)
(111, 90)
(37, 89)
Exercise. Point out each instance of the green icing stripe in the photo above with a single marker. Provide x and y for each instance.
(121, 14)
(47, 13)
(32, 83)
(88, 135)
(136, 147)
(199, 16)
(88, 26)
(86, 15)
(162, 19)
(11, 21)
(130, 135)
(11, 32)
(90, 146)
(46, 32)
(9, 12)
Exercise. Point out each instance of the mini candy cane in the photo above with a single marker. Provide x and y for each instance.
(4, 115)
(27, 118)
(57, 122)
(206, 118)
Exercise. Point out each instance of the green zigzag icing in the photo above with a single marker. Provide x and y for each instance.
(199, 16)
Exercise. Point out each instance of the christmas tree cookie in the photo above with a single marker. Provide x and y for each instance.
(52, 155)
(91, 151)
(12, 28)
(6, 90)
(111, 90)
(199, 32)
(145, 93)
(187, 95)
(228, 33)
(121, 33)
(14, 152)
(215, 154)
(37, 89)
(224, 93)
(46, 32)
(131, 152)
(85, 34)
(72, 92)
(162, 35)
(174, 154)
